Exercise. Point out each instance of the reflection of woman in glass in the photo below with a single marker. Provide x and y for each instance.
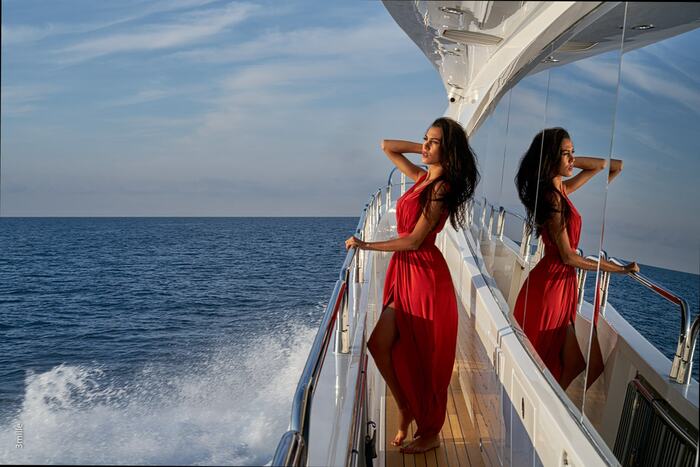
(413, 343)
(546, 304)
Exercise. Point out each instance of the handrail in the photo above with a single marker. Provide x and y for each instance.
(393, 171)
(292, 448)
(357, 410)
(682, 361)
(689, 349)
(301, 404)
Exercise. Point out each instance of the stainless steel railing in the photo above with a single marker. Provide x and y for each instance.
(498, 214)
(683, 359)
(292, 448)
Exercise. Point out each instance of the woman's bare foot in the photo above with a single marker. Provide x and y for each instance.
(422, 444)
(405, 419)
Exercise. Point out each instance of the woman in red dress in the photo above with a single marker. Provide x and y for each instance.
(414, 341)
(546, 304)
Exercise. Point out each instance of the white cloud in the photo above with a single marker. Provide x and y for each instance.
(655, 81)
(22, 99)
(185, 30)
(306, 42)
(152, 94)
(601, 70)
(310, 64)
(18, 34)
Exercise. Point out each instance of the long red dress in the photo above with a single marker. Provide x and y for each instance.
(547, 300)
(420, 285)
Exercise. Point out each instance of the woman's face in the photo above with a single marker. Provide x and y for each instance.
(432, 143)
(566, 163)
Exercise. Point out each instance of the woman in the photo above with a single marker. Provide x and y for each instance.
(546, 304)
(414, 341)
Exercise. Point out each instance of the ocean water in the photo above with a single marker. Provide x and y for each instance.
(158, 341)
(180, 340)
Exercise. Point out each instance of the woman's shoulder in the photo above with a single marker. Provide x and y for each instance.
(441, 186)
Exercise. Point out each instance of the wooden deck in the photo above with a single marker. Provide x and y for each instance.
(460, 439)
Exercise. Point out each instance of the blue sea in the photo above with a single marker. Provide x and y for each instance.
(180, 340)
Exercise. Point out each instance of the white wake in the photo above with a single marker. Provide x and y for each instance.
(230, 409)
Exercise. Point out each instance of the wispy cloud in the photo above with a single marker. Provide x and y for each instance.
(655, 81)
(188, 28)
(22, 99)
(600, 70)
(21, 33)
(152, 94)
(311, 64)
(304, 42)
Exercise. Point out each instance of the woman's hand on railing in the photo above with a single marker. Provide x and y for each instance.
(354, 242)
(617, 266)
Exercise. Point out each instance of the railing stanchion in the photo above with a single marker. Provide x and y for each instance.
(388, 197)
(501, 223)
(605, 284)
(525, 242)
(689, 351)
(483, 214)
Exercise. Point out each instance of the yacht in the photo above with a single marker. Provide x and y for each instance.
(510, 69)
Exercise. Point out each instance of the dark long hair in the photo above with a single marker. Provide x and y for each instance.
(534, 178)
(459, 171)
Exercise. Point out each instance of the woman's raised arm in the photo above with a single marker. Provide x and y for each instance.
(589, 167)
(395, 150)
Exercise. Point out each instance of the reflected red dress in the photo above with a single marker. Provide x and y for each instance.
(547, 299)
(420, 285)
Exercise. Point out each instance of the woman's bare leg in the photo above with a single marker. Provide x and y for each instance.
(573, 362)
(379, 344)
(595, 362)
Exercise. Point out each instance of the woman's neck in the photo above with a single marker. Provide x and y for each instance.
(434, 171)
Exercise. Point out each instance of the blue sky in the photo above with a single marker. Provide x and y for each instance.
(204, 108)
(216, 108)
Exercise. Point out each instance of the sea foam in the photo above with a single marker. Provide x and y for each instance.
(230, 409)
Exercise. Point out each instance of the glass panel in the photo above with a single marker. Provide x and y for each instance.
(528, 105)
(588, 90)
(579, 116)
(652, 203)
(489, 144)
